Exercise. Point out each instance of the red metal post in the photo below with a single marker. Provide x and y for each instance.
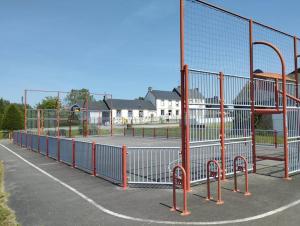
(73, 153)
(94, 158)
(242, 169)
(25, 110)
(58, 114)
(252, 96)
(39, 144)
(47, 146)
(58, 149)
(39, 121)
(217, 175)
(222, 127)
(167, 132)
(124, 167)
(296, 66)
(180, 181)
(111, 123)
(275, 138)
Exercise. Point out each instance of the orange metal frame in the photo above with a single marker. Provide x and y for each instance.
(270, 111)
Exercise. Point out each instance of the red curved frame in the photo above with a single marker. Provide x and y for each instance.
(244, 169)
(214, 174)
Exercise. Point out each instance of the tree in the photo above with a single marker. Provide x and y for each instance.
(49, 103)
(12, 119)
(3, 105)
(78, 97)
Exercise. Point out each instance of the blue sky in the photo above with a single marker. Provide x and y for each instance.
(114, 46)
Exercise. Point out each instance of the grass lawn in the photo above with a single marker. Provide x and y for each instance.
(7, 216)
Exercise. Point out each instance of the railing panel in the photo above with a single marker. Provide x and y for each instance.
(152, 165)
(294, 156)
(43, 145)
(35, 142)
(83, 156)
(66, 150)
(53, 147)
(109, 162)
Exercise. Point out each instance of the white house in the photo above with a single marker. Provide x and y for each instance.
(167, 104)
(131, 111)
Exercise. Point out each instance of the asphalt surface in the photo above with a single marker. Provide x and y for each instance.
(38, 199)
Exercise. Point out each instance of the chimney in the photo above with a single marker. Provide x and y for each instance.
(149, 88)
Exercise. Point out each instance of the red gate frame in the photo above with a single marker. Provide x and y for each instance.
(241, 169)
(177, 181)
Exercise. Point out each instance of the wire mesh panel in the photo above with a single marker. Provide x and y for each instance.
(215, 40)
(293, 122)
(238, 123)
(240, 148)
(294, 156)
(66, 150)
(151, 165)
(53, 147)
(43, 144)
(200, 155)
(109, 162)
(83, 156)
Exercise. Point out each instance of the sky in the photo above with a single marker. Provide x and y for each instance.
(113, 46)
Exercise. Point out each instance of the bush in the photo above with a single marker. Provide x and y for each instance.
(12, 119)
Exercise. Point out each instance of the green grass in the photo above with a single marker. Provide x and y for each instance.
(7, 216)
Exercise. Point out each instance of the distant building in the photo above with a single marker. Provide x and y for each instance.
(167, 104)
(131, 111)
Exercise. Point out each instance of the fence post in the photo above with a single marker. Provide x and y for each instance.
(58, 149)
(154, 132)
(275, 138)
(47, 146)
(167, 132)
(143, 132)
(124, 167)
(73, 153)
(133, 131)
(124, 132)
(39, 151)
(94, 158)
(21, 139)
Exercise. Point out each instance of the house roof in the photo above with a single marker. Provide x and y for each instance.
(165, 95)
(129, 104)
(194, 93)
(95, 105)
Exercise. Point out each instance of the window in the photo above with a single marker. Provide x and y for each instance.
(130, 113)
(170, 112)
(162, 112)
(118, 113)
(177, 112)
(141, 114)
(177, 103)
(170, 103)
(162, 102)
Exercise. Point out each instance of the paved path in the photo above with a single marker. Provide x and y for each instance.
(44, 192)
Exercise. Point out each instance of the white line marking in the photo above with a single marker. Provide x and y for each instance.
(122, 216)
(47, 164)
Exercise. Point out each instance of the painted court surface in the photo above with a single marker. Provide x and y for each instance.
(45, 192)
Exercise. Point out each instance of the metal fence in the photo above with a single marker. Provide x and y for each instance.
(108, 162)
(150, 165)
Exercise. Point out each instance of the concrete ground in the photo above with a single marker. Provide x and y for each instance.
(133, 141)
(45, 192)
